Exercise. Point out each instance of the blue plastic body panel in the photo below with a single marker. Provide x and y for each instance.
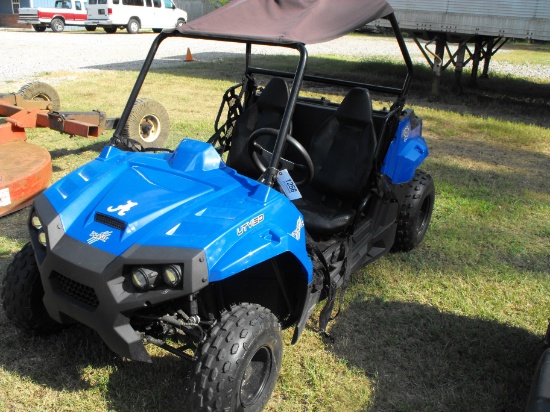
(407, 151)
(185, 199)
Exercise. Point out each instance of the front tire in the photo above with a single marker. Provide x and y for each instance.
(416, 212)
(57, 25)
(22, 294)
(239, 362)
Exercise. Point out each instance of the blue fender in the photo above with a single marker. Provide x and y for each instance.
(407, 151)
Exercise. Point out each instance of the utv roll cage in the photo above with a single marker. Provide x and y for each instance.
(298, 77)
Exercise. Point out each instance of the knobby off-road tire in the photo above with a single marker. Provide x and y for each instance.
(148, 123)
(239, 363)
(416, 212)
(40, 91)
(22, 294)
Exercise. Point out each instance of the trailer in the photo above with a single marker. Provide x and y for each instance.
(479, 30)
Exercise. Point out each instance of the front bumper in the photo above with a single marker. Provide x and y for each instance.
(87, 285)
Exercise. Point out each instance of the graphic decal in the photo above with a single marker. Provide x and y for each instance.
(103, 236)
(299, 225)
(122, 209)
(250, 225)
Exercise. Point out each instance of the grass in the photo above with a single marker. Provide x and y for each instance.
(455, 325)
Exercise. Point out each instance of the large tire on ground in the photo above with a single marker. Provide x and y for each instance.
(148, 123)
(57, 25)
(39, 28)
(416, 212)
(22, 294)
(110, 29)
(239, 362)
(133, 26)
(40, 91)
(90, 28)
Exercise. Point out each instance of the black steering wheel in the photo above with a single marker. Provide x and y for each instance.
(257, 152)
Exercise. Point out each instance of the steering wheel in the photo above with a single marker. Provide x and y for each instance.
(257, 152)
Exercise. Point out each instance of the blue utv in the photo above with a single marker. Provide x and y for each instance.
(210, 250)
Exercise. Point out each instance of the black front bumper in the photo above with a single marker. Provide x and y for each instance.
(90, 286)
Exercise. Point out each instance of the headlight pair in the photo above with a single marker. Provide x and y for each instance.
(148, 278)
(37, 224)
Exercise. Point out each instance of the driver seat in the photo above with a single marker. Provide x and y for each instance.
(266, 111)
(342, 151)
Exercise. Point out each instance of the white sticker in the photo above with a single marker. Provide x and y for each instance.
(287, 184)
(5, 199)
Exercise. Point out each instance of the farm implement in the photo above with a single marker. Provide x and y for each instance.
(25, 168)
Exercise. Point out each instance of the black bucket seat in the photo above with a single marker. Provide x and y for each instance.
(342, 151)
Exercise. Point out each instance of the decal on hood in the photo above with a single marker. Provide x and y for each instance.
(122, 209)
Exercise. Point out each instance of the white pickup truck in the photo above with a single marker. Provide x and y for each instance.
(64, 13)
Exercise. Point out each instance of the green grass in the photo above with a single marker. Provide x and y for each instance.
(455, 325)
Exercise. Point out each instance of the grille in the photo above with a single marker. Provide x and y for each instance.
(80, 292)
(110, 221)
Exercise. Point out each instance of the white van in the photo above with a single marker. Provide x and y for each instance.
(134, 15)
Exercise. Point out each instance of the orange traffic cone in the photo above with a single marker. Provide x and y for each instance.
(189, 57)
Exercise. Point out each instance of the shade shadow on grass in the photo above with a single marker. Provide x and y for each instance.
(421, 359)
(499, 96)
(82, 362)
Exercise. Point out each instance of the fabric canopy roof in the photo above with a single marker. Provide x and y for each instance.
(288, 21)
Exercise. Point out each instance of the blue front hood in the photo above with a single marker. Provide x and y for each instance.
(188, 198)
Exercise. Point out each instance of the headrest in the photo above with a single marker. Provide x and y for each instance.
(275, 94)
(356, 108)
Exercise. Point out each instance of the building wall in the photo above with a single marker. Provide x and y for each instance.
(5, 7)
(195, 8)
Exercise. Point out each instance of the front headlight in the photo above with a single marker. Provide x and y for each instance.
(42, 238)
(144, 279)
(171, 275)
(35, 222)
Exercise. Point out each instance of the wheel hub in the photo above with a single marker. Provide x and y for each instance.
(256, 375)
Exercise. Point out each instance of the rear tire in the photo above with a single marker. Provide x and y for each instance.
(90, 28)
(239, 362)
(180, 23)
(40, 91)
(416, 212)
(39, 28)
(148, 123)
(133, 26)
(57, 25)
(157, 30)
(110, 29)
(22, 294)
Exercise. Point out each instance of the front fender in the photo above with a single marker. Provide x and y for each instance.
(276, 229)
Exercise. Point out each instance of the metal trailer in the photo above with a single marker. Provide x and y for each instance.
(479, 29)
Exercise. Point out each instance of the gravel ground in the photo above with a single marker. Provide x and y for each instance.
(26, 54)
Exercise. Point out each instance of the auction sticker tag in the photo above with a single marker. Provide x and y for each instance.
(5, 199)
(287, 184)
